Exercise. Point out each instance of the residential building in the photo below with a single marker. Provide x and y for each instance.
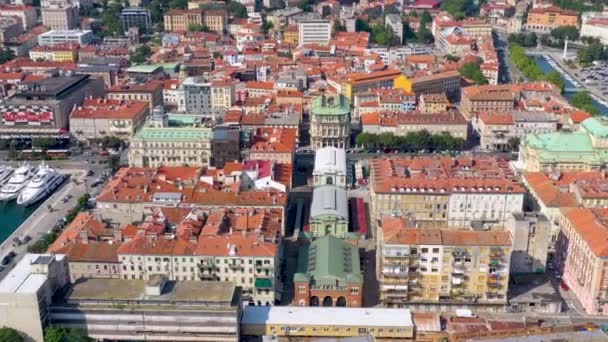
(329, 212)
(60, 17)
(197, 92)
(216, 20)
(170, 142)
(433, 103)
(330, 167)
(400, 123)
(499, 132)
(150, 91)
(224, 147)
(92, 261)
(155, 309)
(314, 322)
(180, 20)
(42, 108)
(502, 97)
(396, 25)
(56, 53)
(132, 192)
(222, 96)
(534, 293)
(27, 290)
(383, 99)
(550, 191)
(582, 150)
(595, 28)
(545, 19)
(26, 14)
(276, 144)
(328, 274)
(330, 121)
(581, 256)
(57, 37)
(355, 83)
(314, 31)
(531, 235)
(99, 118)
(136, 17)
(445, 82)
(464, 192)
(423, 269)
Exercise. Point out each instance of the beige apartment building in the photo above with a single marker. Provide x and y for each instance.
(439, 192)
(60, 17)
(180, 20)
(425, 269)
(93, 261)
(151, 92)
(215, 20)
(222, 96)
(244, 260)
(476, 99)
(99, 118)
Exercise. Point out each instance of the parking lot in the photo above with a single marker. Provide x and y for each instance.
(595, 76)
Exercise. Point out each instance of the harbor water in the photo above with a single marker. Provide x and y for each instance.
(12, 215)
(545, 67)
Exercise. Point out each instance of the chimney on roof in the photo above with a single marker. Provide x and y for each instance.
(118, 235)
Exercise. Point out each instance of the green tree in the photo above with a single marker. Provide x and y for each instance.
(43, 143)
(582, 100)
(6, 55)
(10, 335)
(452, 58)
(425, 18)
(513, 143)
(337, 27)
(362, 25)
(580, 6)
(472, 71)
(461, 9)
(267, 26)
(141, 54)
(114, 161)
(179, 4)
(424, 35)
(381, 35)
(237, 9)
(305, 5)
(60, 334)
(563, 32)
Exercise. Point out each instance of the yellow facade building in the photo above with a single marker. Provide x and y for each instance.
(311, 322)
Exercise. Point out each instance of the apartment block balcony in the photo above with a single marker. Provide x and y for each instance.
(496, 253)
(208, 276)
(458, 269)
(393, 280)
(396, 262)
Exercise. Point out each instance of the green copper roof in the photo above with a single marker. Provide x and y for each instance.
(174, 133)
(327, 260)
(144, 68)
(330, 105)
(561, 142)
(596, 126)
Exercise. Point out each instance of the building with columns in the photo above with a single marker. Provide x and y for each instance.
(330, 121)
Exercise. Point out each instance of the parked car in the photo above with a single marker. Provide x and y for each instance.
(564, 286)
(26, 239)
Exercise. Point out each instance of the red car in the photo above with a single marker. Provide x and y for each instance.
(564, 286)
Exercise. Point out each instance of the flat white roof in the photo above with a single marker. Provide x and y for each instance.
(21, 280)
(330, 159)
(300, 315)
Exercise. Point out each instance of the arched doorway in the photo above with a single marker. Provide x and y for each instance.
(328, 301)
(341, 301)
(329, 181)
(314, 301)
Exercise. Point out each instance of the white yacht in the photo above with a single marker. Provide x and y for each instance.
(16, 183)
(44, 183)
(5, 173)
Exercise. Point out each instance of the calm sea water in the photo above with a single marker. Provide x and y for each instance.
(11, 217)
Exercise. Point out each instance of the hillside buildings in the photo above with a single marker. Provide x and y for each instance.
(545, 19)
(314, 31)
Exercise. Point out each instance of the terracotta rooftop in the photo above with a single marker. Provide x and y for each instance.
(590, 225)
(417, 236)
(109, 109)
